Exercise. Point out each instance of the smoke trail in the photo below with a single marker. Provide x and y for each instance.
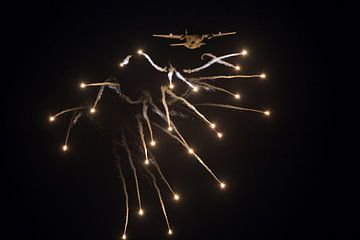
(212, 87)
(129, 100)
(118, 165)
(220, 61)
(146, 117)
(170, 75)
(113, 86)
(163, 99)
(189, 105)
(126, 147)
(98, 97)
(184, 143)
(72, 123)
(83, 85)
(160, 172)
(125, 61)
(182, 78)
(162, 115)
(232, 107)
(172, 135)
(141, 132)
(68, 110)
(164, 69)
(211, 62)
(225, 77)
(160, 198)
(207, 168)
(101, 90)
(180, 136)
(76, 118)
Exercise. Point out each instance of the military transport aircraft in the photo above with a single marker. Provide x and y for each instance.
(192, 41)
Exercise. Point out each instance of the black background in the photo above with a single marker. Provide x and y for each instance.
(282, 180)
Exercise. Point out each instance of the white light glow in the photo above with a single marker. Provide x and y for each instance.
(64, 148)
(176, 197)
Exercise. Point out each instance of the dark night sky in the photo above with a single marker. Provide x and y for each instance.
(278, 169)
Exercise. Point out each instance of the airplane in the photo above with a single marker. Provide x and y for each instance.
(192, 41)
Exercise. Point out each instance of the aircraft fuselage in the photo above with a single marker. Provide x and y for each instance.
(194, 41)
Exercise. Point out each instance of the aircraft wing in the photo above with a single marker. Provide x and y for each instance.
(172, 36)
(220, 34)
(177, 44)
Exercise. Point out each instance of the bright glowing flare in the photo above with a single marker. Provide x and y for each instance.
(263, 75)
(140, 51)
(220, 135)
(65, 148)
(170, 232)
(237, 67)
(51, 118)
(244, 52)
(123, 236)
(153, 143)
(237, 96)
(170, 129)
(92, 110)
(213, 125)
(141, 212)
(222, 185)
(267, 113)
(146, 162)
(176, 197)
(191, 151)
(195, 89)
(171, 86)
(82, 85)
